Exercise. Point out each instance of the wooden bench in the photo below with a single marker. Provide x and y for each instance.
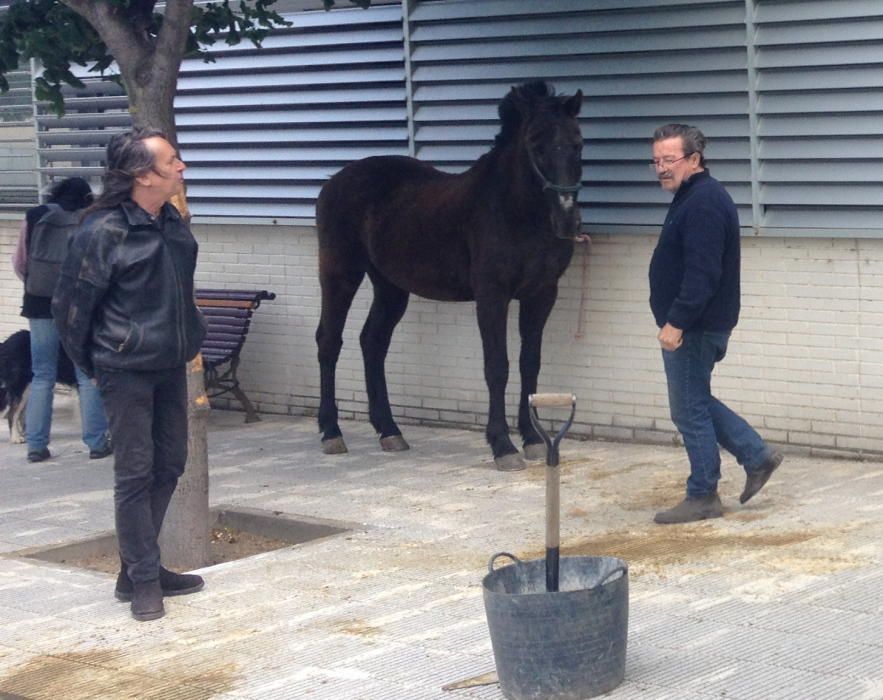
(228, 312)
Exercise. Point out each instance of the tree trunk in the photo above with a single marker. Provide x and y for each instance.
(184, 540)
(186, 534)
(152, 106)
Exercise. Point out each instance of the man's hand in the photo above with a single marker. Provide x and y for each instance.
(669, 337)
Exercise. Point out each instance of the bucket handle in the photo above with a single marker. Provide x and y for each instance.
(617, 570)
(490, 564)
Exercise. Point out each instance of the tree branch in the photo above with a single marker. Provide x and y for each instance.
(172, 39)
(122, 42)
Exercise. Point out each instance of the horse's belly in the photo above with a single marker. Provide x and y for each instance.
(429, 286)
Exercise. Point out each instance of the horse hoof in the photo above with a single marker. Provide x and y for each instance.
(510, 463)
(334, 446)
(394, 443)
(535, 451)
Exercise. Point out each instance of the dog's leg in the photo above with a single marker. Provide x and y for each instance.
(16, 416)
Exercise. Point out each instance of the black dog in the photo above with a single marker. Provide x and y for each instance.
(16, 375)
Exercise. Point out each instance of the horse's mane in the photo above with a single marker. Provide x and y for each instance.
(510, 116)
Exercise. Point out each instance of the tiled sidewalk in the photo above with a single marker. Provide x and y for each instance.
(783, 598)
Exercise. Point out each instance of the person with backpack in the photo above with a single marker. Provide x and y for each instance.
(42, 247)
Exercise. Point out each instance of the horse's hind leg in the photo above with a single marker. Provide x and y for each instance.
(340, 276)
(386, 311)
(532, 316)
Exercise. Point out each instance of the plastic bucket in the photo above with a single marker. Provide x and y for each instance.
(566, 645)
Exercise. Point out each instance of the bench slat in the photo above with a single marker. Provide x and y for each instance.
(228, 314)
(221, 313)
(226, 303)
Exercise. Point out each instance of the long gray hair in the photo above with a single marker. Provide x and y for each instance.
(127, 158)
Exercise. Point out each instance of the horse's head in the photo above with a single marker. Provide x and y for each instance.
(545, 128)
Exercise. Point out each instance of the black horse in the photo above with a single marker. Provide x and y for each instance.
(502, 230)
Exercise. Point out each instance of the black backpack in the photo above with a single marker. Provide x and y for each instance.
(47, 248)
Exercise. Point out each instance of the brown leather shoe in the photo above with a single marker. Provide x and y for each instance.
(755, 480)
(147, 601)
(691, 509)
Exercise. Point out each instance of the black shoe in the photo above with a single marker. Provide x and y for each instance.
(147, 601)
(101, 452)
(755, 480)
(170, 582)
(691, 509)
(39, 455)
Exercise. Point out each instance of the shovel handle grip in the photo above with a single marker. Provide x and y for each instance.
(551, 400)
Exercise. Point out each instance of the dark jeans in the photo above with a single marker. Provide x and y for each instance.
(703, 421)
(148, 420)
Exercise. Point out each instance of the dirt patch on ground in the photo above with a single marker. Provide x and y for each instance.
(600, 473)
(96, 674)
(747, 516)
(227, 544)
(662, 549)
(358, 628)
(676, 545)
(658, 490)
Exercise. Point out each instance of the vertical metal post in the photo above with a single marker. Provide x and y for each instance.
(37, 171)
(753, 120)
(409, 83)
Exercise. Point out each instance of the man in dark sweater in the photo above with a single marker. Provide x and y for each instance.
(694, 296)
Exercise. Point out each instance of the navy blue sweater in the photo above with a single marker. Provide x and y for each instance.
(694, 273)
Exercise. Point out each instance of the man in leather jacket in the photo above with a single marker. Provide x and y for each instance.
(125, 312)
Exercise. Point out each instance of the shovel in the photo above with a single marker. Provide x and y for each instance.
(553, 476)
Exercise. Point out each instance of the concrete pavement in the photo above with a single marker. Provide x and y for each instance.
(781, 599)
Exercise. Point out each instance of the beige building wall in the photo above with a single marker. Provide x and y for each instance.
(805, 365)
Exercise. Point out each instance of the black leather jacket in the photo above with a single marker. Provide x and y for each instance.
(124, 299)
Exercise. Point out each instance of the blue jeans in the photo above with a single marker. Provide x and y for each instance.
(38, 414)
(703, 421)
(148, 421)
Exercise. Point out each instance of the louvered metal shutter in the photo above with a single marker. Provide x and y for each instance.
(18, 181)
(640, 64)
(819, 77)
(260, 129)
(789, 93)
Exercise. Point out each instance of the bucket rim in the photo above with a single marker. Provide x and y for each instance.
(619, 565)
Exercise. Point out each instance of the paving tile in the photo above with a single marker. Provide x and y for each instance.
(780, 600)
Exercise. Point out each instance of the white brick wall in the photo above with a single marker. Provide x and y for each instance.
(805, 365)
(10, 286)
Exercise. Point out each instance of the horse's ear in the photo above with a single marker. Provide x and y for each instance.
(572, 104)
(508, 109)
(521, 99)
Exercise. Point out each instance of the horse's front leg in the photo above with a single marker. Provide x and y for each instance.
(492, 311)
(532, 317)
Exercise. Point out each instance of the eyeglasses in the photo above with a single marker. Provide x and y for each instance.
(666, 163)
